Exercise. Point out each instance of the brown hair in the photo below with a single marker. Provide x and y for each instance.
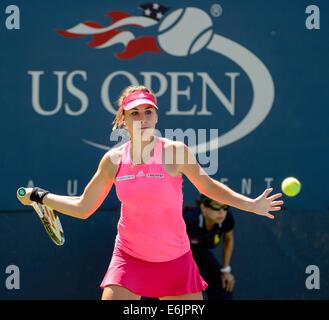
(118, 121)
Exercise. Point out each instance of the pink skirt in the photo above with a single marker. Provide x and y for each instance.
(154, 279)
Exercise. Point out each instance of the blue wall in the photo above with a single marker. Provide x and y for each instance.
(259, 52)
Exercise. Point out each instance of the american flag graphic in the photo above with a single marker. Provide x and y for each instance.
(116, 33)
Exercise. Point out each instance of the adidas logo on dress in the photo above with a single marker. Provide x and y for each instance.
(140, 174)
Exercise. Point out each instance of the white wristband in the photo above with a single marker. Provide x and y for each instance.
(226, 269)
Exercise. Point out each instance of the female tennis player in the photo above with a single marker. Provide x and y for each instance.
(152, 255)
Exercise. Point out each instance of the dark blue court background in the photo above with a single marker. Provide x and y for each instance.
(270, 257)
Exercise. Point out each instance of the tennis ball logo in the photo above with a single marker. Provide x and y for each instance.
(291, 186)
(185, 32)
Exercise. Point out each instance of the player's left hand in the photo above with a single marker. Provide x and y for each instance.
(228, 281)
(265, 203)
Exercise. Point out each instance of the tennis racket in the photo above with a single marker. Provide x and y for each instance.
(49, 219)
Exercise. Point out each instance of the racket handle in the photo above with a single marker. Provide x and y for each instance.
(21, 192)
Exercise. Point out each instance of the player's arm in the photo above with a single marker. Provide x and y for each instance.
(94, 193)
(222, 193)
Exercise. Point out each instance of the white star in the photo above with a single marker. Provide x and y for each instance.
(159, 15)
(147, 12)
(156, 6)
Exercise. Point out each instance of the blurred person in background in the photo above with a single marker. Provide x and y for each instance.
(209, 224)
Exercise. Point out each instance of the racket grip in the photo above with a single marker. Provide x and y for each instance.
(21, 192)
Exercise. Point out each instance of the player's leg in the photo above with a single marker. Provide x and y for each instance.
(113, 292)
(189, 296)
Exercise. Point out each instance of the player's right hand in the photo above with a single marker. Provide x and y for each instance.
(26, 199)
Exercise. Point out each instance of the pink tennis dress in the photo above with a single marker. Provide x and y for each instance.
(152, 255)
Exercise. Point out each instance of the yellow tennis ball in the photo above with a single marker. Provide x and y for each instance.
(291, 186)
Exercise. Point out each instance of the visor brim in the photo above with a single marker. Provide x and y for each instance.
(138, 102)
